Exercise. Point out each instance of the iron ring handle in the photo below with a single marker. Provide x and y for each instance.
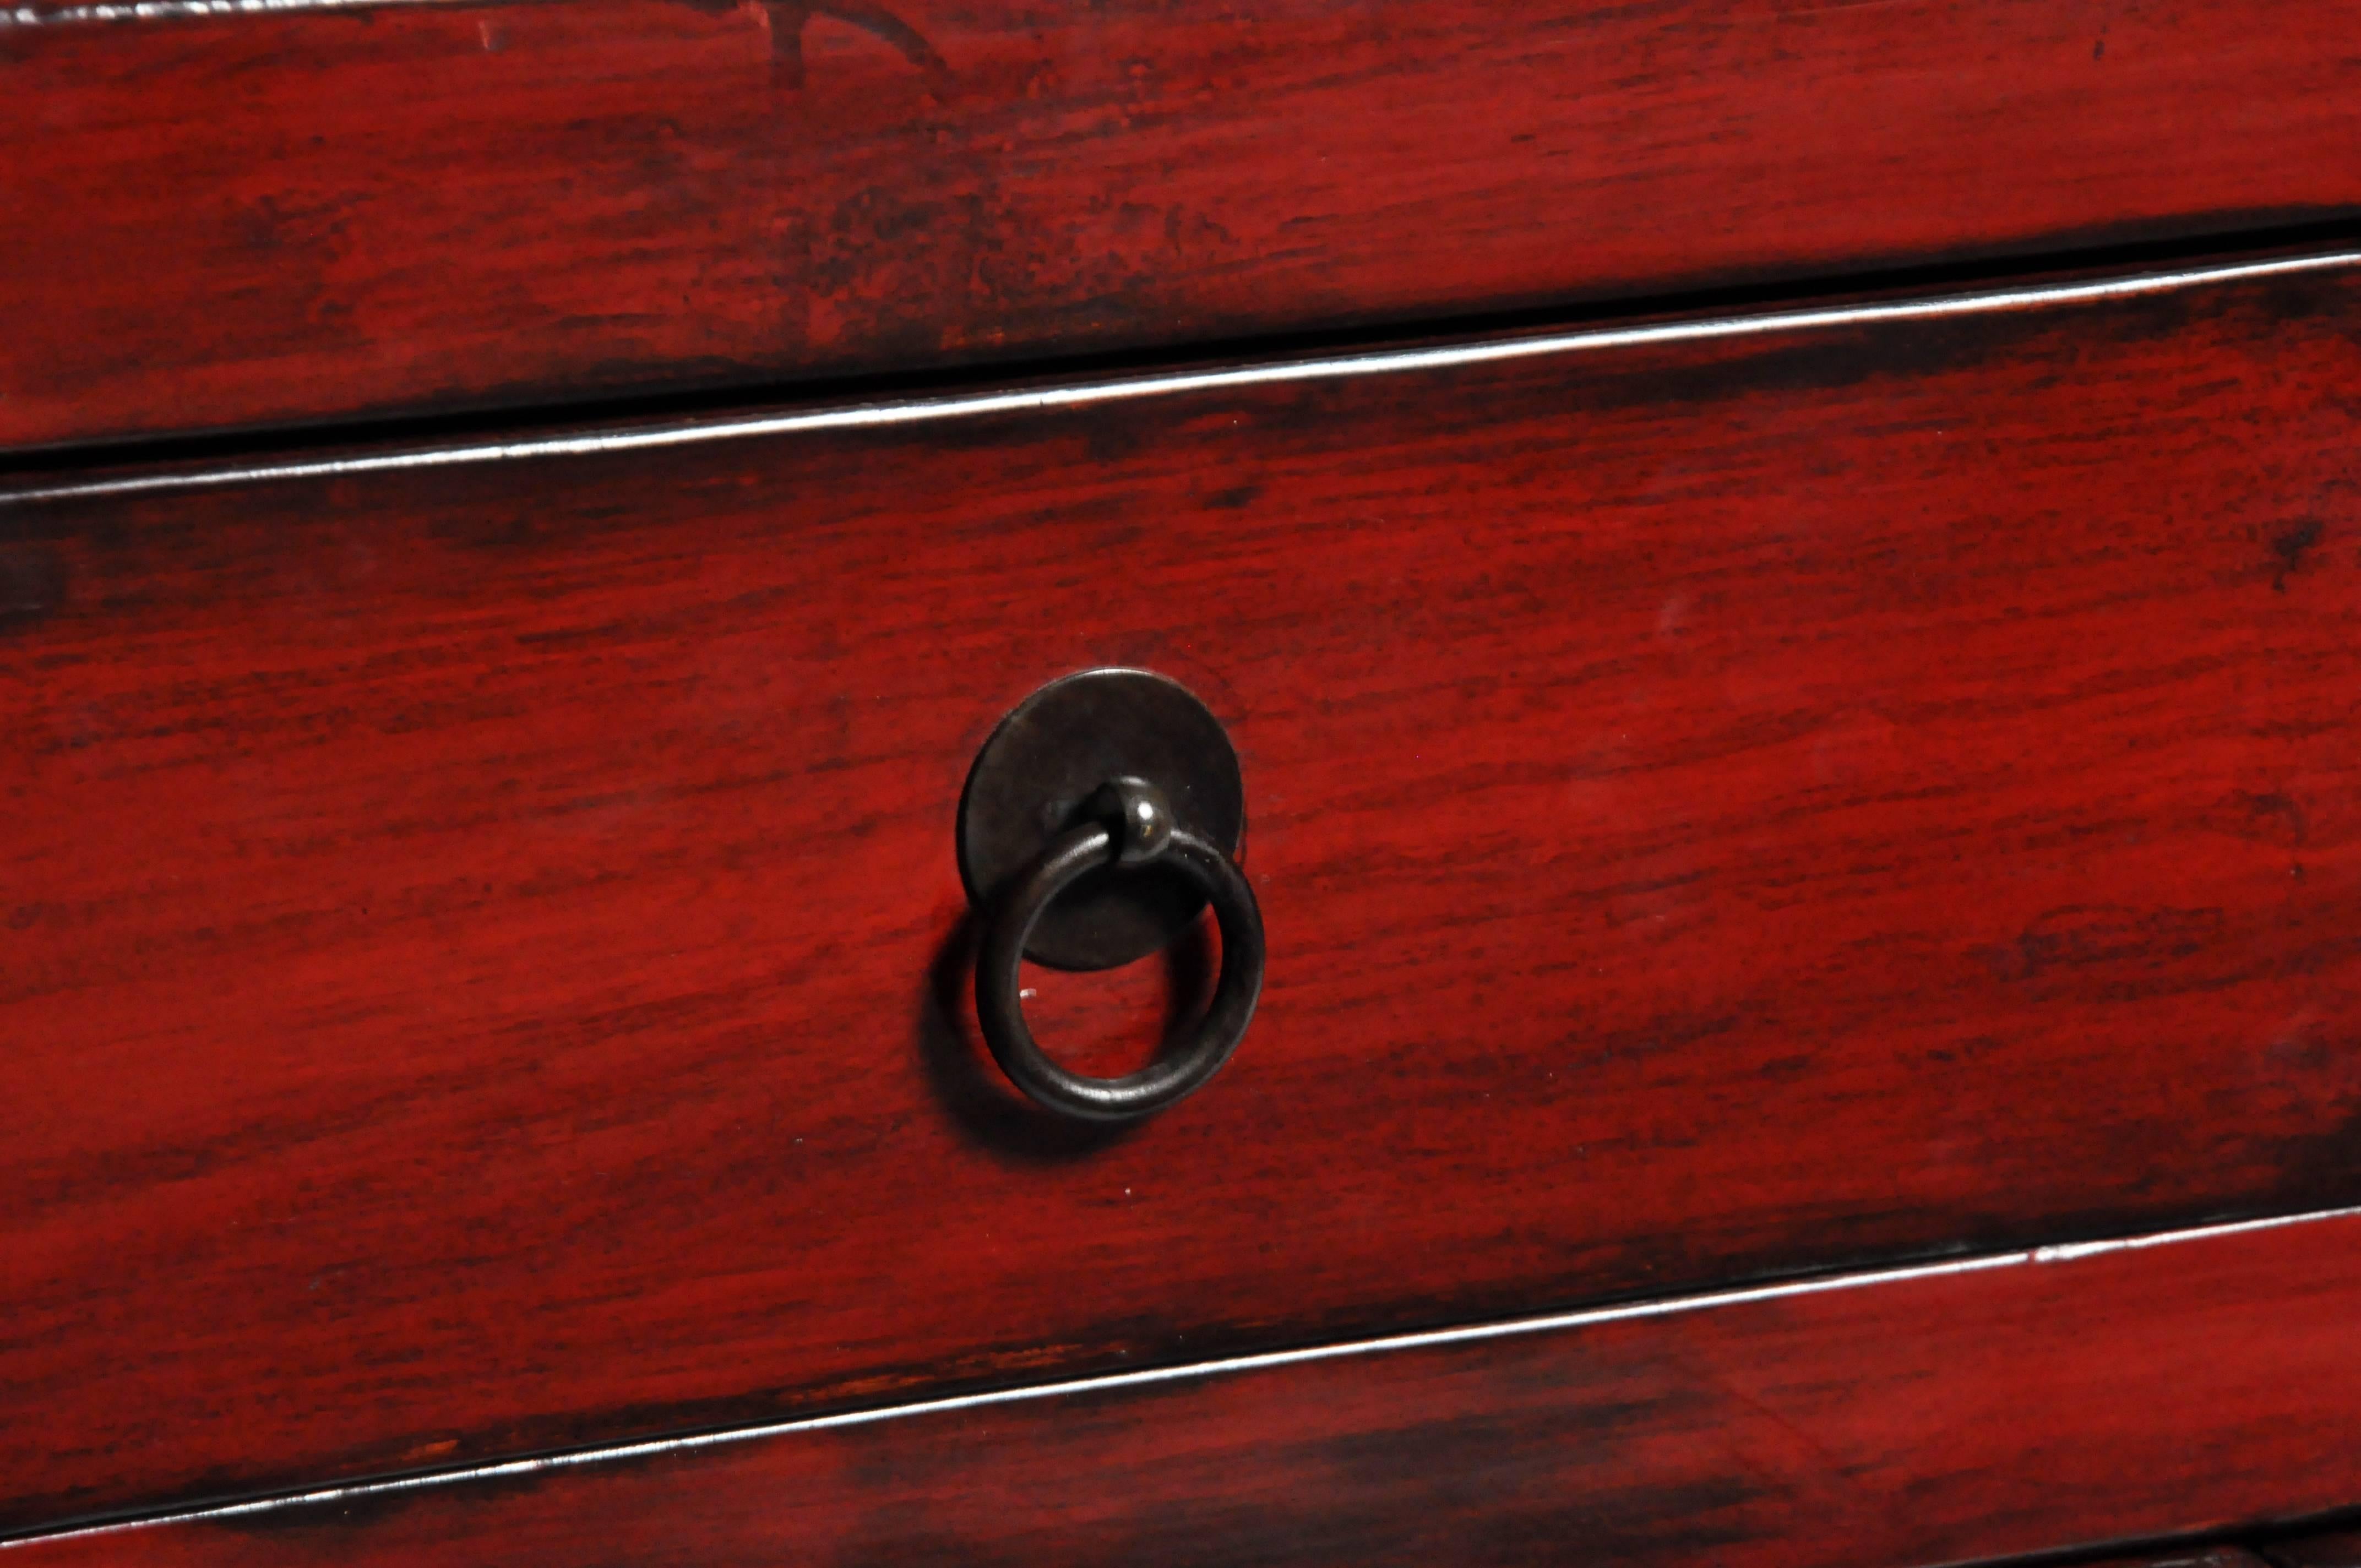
(1138, 830)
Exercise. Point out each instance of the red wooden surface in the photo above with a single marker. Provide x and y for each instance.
(2190, 1388)
(295, 216)
(485, 965)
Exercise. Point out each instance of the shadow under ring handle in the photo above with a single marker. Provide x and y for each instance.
(1142, 834)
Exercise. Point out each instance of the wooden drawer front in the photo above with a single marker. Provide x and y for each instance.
(485, 961)
(1960, 1413)
(336, 210)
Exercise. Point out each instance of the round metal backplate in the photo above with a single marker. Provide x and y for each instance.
(1050, 755)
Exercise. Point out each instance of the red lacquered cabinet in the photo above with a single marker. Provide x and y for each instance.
(1174, 784)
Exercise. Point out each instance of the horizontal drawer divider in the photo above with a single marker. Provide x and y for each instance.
(859, 416)
(2089, 1274)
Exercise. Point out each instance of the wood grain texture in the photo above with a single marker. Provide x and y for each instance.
(2190, 1387)
(256, 219)
(487, 968)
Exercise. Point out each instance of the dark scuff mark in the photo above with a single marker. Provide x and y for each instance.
(2075, 938)
(788, 19)
(2274, 817)
(2315, 1158)
(32, 586)
(2290, 545)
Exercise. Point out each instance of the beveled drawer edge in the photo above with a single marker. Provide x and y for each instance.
(116, 12)
(859, 416)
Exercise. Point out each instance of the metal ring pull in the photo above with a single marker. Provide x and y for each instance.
(1129, 826)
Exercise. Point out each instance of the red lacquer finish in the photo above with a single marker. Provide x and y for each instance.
(252, 219)
(2187, 1387)
(486, 962)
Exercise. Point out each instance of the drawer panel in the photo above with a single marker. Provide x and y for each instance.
(1963, 1413)
(486, 966)
(333, 210)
